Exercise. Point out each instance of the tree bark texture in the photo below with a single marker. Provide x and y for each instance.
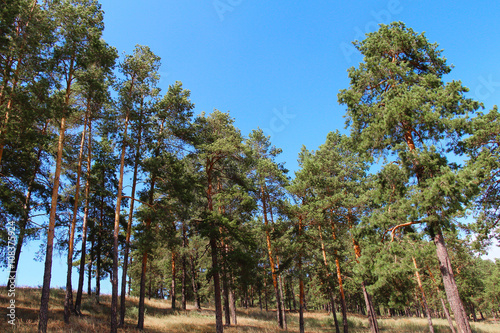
(450, 285)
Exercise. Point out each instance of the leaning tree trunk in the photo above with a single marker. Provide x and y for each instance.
(450, 284)
(445, 309)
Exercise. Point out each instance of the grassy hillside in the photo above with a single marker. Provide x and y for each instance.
(160, 318)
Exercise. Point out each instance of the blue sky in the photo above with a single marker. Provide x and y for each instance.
(279, 65)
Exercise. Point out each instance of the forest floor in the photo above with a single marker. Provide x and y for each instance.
(160, 318)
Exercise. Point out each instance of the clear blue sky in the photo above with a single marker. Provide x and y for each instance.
(279, 65)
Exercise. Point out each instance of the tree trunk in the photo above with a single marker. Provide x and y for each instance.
(44, 303)
(99, 244)
(339, 278)
(79, 293)
(424, 299)
(68, 300)
(301, 284)
(443, 303)
(197, 304)
(450, 285)
(184, 268)
(283, 309)
(217, 292)
(172, 289)
(334, 313)
(301, 299)
(130, 218)
(232, 306)
(89, 281)
(142, 292)
(116, 232)
(225, 288)
(265, 291)
(372, 319)
(140, 320)
(271, 259)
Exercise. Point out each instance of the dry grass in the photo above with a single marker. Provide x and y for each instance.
(160, 318)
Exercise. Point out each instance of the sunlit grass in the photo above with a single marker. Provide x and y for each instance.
(160, 318)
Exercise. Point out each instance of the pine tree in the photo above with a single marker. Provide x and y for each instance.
(217, 142)
(397, 104)
(80, 24)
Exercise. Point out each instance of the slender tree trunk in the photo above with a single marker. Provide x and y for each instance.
(89, 281)
(116, 230)
(372, 317)
(68, 301)
(130, 218)
(142, 292)
(370, 310)
(150, 290)
(283, 309)
(197, 304)
(130, 279)
(172, 289)
(44, 303)
(301, 284)
(99, 245)
(424, 299)
(271, 259)
(339, 277)
(450, 285)
(218, 306)
(79, 293)
(265, 292)
(301, 299)
(225, 288)
(140, 320)
(334, 313)
(232, 306)
(184, 268)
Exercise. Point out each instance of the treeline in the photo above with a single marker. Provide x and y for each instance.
(97, 161)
